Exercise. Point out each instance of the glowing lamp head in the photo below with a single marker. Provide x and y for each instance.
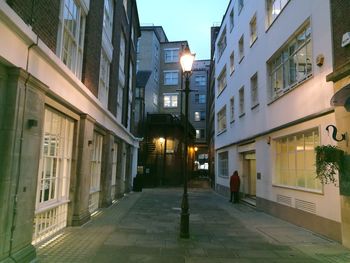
(161, 140)
(186, 60)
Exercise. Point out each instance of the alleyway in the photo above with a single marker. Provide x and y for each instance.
(144, 227)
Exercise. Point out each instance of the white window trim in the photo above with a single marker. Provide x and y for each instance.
(172, 57)
(173, 72)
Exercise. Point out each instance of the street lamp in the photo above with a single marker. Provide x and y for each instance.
(186, 61)
(161, 141)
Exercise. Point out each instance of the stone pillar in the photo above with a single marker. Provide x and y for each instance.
(128, 162)
(21, 122)
(106, 173)
(120, 182)
(81, 187)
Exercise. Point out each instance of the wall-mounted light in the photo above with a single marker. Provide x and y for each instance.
(320, 60)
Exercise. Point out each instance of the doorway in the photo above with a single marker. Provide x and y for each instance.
(249, 174)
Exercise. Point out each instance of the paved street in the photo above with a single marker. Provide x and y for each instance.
(144, 227)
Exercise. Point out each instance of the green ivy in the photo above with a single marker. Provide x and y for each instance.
(329, 161)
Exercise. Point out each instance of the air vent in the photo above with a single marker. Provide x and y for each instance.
(285, 200)
(305, 206)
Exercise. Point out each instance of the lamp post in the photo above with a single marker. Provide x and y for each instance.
(161, 141)
(186, 61)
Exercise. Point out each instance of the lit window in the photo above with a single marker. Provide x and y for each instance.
(221, 120)
(232, 109)
(197, 116)
(253, 30)
(241, 101)
(254, 90)
(274, 8)
(295, 160)
(223, 164)
(200, 134)
(171, 77)
(292, 64)
(202, 98)
(222, 80)
(71, 36)
(232, 62)
(171, 55)
(200, 80)
(170, 100)
(241, 48)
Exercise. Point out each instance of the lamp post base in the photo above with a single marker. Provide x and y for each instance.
(185, 218)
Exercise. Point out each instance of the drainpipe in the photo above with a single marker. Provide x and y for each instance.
(15, 201)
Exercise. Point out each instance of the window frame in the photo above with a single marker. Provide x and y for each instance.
(171, 96)
(171, 55)
(241, 102)
(222, 81)
(232, 109)
(254, 91)
(223, 164)
(221, 120)
(253, 30)
(171, 81)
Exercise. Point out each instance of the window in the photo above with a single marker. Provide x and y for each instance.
(54, 172)
(95, 171)
(240, 5)
(232, 109)
(253, 30)
(241, 101)
(292, 64)
(254, 90)
(171, 77)
(155, 99)
(199, 98)
(71, 36)
(221, 120)
(171, 55)
(103, 87)
(232, 17)
(295, 160)
(201, 80)
(108, 18)
(170, 100)
(222, 43)
(121, 82)
(200, 134)
(222, 80)
(199, 115)
(241, 48)
(274, 8)
(114, 170)
(232, 62)
(223, 164)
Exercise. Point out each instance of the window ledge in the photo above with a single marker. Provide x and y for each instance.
(255, 106)
(221, 132)
(239, 62)
(295, 188)
(232, 72)
(242, 115)
(232, 121)
(221, 92)
(290, 89)
(253, 42)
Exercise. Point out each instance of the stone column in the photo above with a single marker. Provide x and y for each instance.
(120, 182)
(106, 173)
(21, 125)
(81, 187)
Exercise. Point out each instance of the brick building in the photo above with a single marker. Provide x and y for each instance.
(67, 78)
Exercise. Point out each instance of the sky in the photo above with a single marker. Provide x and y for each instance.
(184, 20)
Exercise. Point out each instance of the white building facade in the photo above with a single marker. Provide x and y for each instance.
(272, 107)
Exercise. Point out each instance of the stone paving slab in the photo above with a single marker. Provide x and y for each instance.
(144, 227)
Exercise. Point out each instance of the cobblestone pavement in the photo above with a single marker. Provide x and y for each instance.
(144, 227)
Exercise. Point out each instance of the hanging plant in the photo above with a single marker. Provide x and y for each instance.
(329, 161)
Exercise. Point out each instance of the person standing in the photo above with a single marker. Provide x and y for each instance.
(234, 187)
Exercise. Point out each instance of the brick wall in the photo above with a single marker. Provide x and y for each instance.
(92, 46)
(340, 10)
(42, 15)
